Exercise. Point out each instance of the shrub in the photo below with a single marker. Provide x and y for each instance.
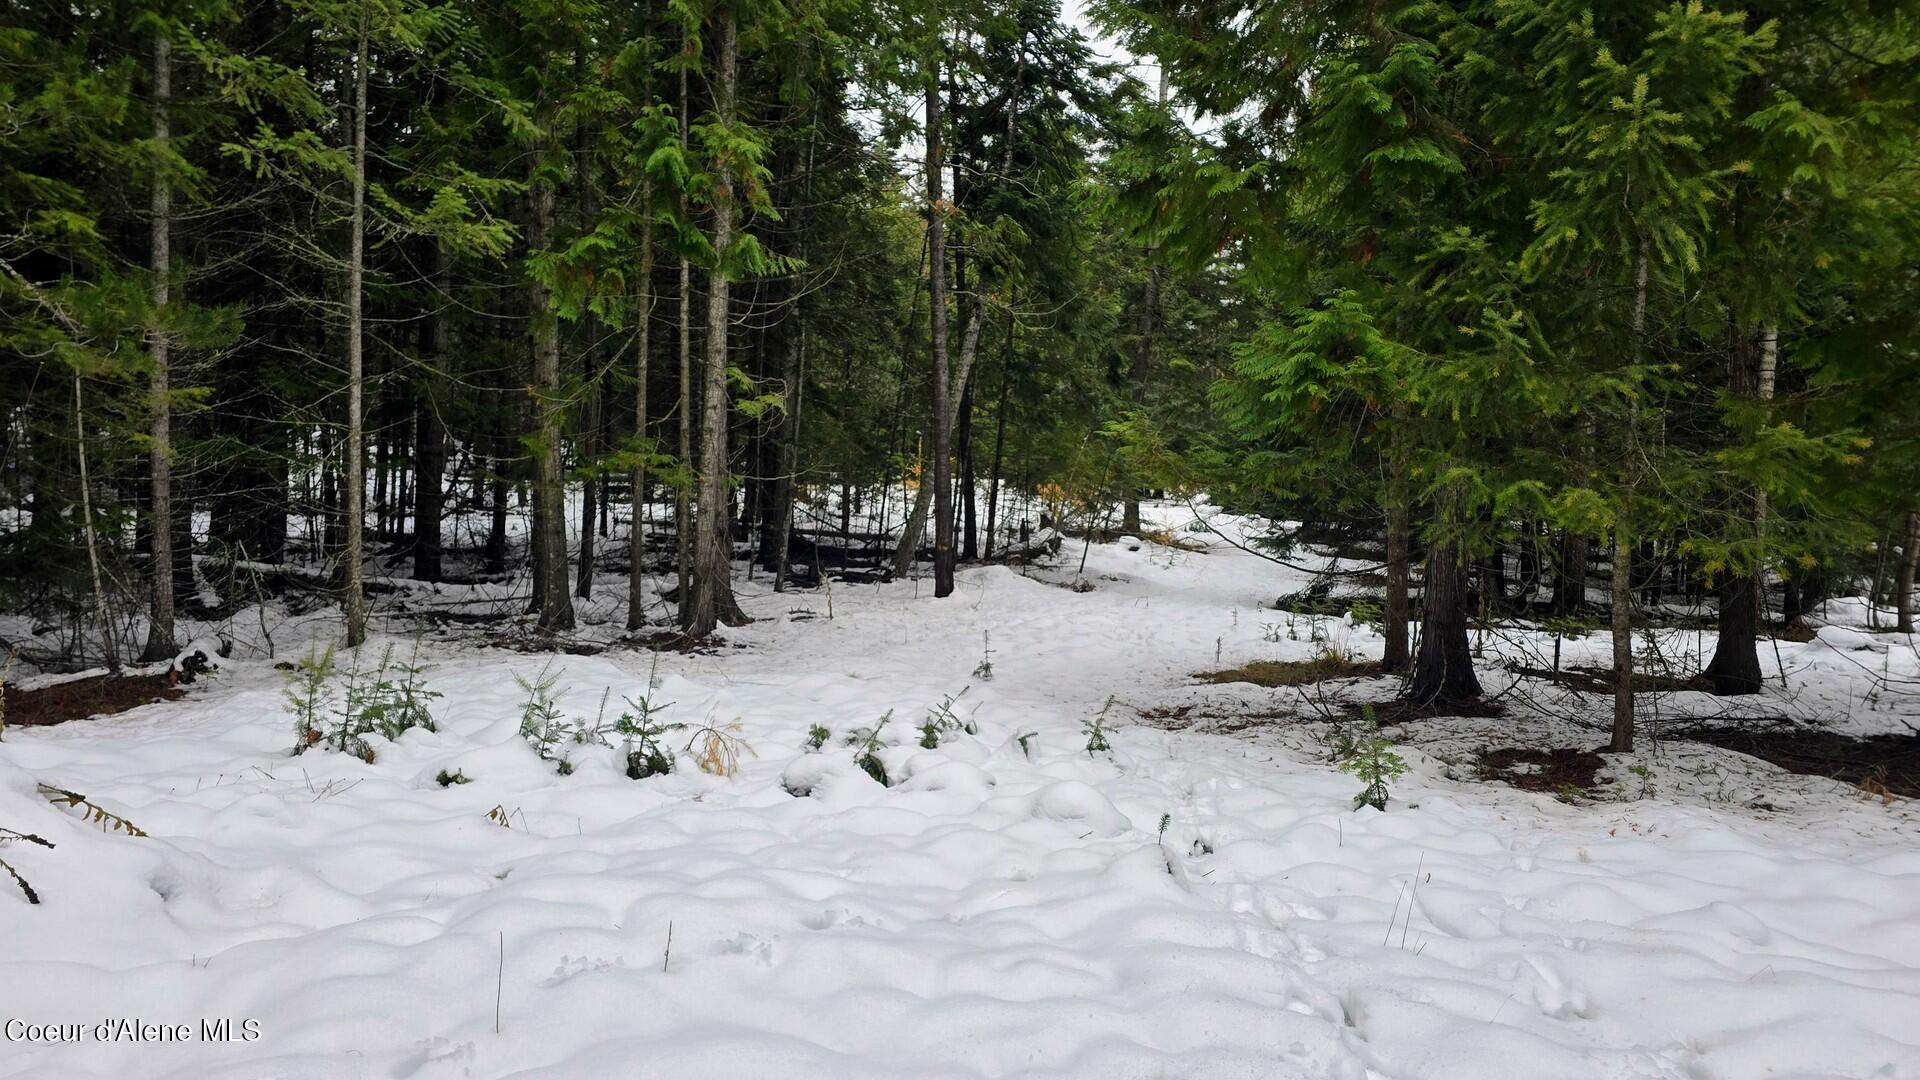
(1096, 730)
(866, 749)
(1372, 760)
(640, 729)
(541, 722)
(390, 706)
(309, 693)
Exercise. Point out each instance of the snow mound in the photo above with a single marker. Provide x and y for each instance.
(1078, 803)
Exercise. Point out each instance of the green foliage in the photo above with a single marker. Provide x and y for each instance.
(386, 699)
(542, 723)
(309, 694)
(396, 700)
(451, 779)
(867, 746)
(1371, 759)
(641, 728)
(1095, 729)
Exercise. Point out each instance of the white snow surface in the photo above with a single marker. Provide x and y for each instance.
(1000, 911)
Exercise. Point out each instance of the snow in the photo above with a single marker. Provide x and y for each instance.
(1010, 907)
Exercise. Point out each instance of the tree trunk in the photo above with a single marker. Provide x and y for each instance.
(1909, 561)
(1735, 667)
(1622, 590)
(713, 600)
(937, 302)
(160, 642)
(496, 552)
(1570, 577)
(430, 434)
(969, 489)
(355, 482)
(908, 548)
(643, 344)
(682, 501)
(589, 445)
(999, 438)
(549, 507)
(1443, 673)
(1143, 358)
(1622, 620)
(1398, 608)
(109, 640)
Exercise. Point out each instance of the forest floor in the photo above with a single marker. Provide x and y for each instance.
(1199, 901)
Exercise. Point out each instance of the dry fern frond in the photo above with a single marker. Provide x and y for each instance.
(719, 749)
(91, 811)
(26, 889)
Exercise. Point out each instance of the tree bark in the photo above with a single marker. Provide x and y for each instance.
(1909, 561)
(109, 641)
(643, 344)
(713, 600)
(351, 555)
(430, 433)
(549, 507)
(1443, 673)
(999, 439)
(682, 501)
(160, 641)
(937, 302)
(1398, 608)
(1735, 667)
(1143, 361)
(1622, 613)
(589, 443)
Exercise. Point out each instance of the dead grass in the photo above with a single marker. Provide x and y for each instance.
(1274, 673)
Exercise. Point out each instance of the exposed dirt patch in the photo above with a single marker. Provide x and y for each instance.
(1396, 711)
(1883, 765)
(1554, 771)
(1272, 673)
(1168, 717)
(78, 699)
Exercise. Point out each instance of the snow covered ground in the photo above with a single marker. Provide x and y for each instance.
(1199, 902)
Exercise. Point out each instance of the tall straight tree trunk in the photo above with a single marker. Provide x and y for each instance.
(589, 360)
(1443, 673)
(1622, 598)
(682, 501)
(1909, 562)
(790, 455)
(589, 489)
(937, 301)
(355, 481)
(643, 343)
(160, 643)
(496, 550)
(549, 505)
(794, 373)
(999, 438)
(109, 640)
(713, 601)
(1735, 667)
(430, 433)
(1398, 608)
(909, 545)
(969, 489)
(1143, 361)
